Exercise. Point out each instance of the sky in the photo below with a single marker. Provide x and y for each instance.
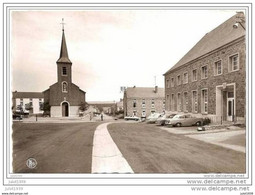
(108, 48)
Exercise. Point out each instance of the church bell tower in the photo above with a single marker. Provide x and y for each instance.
(64, 65)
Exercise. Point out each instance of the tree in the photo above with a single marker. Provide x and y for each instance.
(46, 108)
(83, 106)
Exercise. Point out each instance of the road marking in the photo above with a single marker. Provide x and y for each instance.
(106, 156)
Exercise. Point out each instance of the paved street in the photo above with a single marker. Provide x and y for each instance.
(57, 148)
(67, 148)
(149, 149)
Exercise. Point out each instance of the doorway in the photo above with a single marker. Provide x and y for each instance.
(65, 109)
(230, 106)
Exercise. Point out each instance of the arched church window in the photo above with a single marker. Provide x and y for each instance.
(64, 87)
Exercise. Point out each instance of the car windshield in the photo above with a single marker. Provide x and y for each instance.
(178, 116)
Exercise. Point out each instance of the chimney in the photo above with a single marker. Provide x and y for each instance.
(156, 89)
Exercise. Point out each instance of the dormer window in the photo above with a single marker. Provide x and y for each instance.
(64, 71)
(64, 87)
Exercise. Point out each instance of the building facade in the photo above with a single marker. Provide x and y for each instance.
(142, 101)
(107, 107)
(210, 80)
(31, 102)
(64, 97)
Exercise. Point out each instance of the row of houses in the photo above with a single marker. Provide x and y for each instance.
(209, 81)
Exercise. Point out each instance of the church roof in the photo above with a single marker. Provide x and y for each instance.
(221, 35)
(144, 92)
(63, 58)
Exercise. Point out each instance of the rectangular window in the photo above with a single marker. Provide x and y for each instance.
(172, 82)
(134, 112)
(152, 103)
(185, 102)
(185, 77)
(234, 63)
(179, 80)
(204, 72)
(167, 83)
(40, 104)
(143, 103)
(64, 72)
(31, 102)
(204, 101)
(218, 68)
(194, 102)
(172, 102)
(164, 104)
(21, 101)
(134, 103)
(179, 102)
(143, 113)
(194, 75)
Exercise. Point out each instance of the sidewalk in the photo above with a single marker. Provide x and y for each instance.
(232, 137)
(106, 156)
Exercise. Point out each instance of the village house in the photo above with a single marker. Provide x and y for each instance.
(107, 107)
(210, 80)
(143, 101)
(31, 102)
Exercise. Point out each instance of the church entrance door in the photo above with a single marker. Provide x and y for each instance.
(65, 109)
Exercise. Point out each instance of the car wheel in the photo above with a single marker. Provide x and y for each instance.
(178, 125)
(198, 123)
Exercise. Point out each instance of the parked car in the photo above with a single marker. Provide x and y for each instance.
(184, 120)
(161, 120)
(153, 117)
(134, 118)
(17, 116)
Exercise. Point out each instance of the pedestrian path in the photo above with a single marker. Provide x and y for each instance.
(106, 157)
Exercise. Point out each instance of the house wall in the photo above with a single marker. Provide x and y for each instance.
(35, 103)
(236, 77)
(158, 108)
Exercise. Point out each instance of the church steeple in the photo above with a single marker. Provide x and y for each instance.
(63, 58)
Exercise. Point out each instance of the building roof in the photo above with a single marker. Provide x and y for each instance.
(17, 94)
(221, 35)
(144, 92)
(63, 57)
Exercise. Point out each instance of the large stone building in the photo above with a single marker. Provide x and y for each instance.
(142, 101)
(210, 80)
(64, 97)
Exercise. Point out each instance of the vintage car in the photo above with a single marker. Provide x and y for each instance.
(134, 118)
(161, 120)
(184, 120)
(153, 117)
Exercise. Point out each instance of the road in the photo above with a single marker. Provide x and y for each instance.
(149, 149)
(57, 147)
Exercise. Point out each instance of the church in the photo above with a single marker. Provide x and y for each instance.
(64, 97)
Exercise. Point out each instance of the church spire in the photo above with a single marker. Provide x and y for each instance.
(63, 51)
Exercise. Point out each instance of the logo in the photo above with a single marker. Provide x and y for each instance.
(31, 163)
